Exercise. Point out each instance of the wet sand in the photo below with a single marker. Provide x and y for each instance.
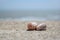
(17, 30)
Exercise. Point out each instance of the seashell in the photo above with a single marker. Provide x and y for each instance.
(41, 26)
(32, 25)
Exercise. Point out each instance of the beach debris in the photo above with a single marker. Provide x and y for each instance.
(31, 25)
(41, 26)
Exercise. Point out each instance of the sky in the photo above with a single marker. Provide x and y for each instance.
(29, 4)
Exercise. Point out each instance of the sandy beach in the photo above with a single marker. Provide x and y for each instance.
(17, 30)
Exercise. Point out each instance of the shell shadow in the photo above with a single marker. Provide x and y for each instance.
(30, 30)
(36, 30)
(41, 30)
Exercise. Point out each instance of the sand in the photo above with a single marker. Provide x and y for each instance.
(17, 30)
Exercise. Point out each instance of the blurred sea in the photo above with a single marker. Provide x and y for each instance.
(27, 15)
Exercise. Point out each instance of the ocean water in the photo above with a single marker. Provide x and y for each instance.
(27, 15)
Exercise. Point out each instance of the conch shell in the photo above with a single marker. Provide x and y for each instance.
(41, 26)
(32, 25)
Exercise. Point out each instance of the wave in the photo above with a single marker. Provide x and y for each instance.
(24, 19)
(31, 18)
